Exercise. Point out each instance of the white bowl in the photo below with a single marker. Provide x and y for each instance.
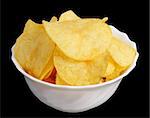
(76, 98)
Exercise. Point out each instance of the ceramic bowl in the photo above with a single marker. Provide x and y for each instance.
(76, 98)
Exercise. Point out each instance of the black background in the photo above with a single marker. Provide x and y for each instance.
(132, 17)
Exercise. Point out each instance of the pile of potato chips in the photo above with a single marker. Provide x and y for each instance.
(81, 51)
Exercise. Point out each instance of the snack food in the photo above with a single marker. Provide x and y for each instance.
(34, 50)
(80, 39)
(68, 16)
(122, 53)
(60, 81)
(72, 51)
(76, 72)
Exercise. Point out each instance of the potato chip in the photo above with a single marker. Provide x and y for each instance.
(118, 70)
(75, 72)
(68, 16)
(109, 70)
(102, 80)
(104, 19)
(113, 75)
(60, 81)
(34, 50)
(122, 53)
(105, 64)
(53, 19)
(80, 39)
(51, 78)
(72, 51)
(48, 69)
(101, 63)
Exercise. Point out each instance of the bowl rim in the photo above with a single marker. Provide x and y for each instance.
(131, 67)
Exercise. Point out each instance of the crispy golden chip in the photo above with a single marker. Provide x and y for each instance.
(122, 53)
(80, 39)
(75, 72)
(101, 81)
(34, 50)
(104, 19)
(101, 63)
(105, 64)
(85, 53)
(48, 68)
(109, 70)
(118, 70)
(53, 19)
(68, 16)
(115, 74)
(60, 81)
(47, 73)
